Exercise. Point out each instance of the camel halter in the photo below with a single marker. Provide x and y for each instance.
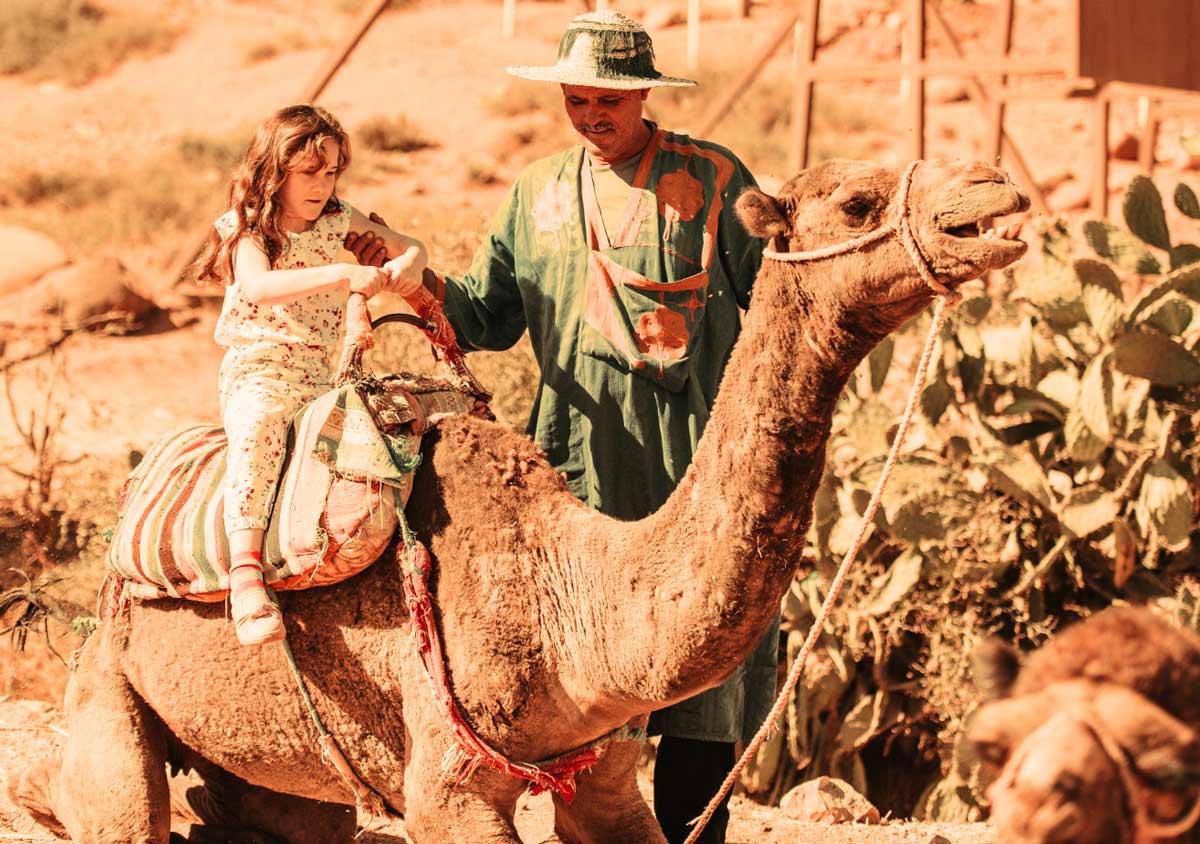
(1146, 829)
(901, 225)
(946, 298)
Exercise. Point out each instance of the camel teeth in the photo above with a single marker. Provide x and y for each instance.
(990, 234)
(1017, 230)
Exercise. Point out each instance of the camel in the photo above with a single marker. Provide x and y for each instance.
(560, 625)
(1095, 739)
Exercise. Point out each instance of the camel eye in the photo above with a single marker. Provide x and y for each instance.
(857, 207)
(991, 753)
(1069, 785)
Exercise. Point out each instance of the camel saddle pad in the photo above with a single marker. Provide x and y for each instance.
(352, 453)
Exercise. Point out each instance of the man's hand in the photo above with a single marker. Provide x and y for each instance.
(404, 272)
(366, 247)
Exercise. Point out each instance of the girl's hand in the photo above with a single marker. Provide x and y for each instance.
(367, 280)
(404, 272)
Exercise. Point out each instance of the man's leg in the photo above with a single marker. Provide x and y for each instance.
(687, 774)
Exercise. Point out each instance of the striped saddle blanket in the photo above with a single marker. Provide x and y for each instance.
(352, 456)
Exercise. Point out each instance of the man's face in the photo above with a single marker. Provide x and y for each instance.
(608, 121)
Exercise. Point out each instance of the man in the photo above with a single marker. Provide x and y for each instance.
(624, 260)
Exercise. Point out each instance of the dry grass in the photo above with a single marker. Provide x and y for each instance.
(519, 97)
(351, 7)
(286, 42)
(391, 134)
(164, 193)
(74, 40)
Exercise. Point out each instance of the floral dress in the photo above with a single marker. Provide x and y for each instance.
(277, 359)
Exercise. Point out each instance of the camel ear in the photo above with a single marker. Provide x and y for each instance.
(996, 666)
(762, 214)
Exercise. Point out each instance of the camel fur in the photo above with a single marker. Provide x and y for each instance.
(1123, 673)
(560, 624)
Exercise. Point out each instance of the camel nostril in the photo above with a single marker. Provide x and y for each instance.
(1023, 203)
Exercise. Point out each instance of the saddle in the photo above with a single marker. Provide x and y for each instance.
(351, 458)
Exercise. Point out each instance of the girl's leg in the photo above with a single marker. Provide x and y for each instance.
(256, 618)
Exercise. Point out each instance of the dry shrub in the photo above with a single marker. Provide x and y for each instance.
(354, 6)
(164, 193)
(392, 134)
(520, 97)
(288, 42)
(74, 40)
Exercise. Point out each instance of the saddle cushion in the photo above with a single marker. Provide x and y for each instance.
(335, 506)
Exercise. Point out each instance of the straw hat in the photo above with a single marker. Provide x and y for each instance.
(603, 50)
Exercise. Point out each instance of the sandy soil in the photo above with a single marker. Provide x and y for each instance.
(32, 730)
(441, 64)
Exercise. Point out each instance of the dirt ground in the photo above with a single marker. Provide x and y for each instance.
(31, 729)
(440, 64)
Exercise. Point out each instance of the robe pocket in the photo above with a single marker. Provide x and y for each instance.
(647, 327)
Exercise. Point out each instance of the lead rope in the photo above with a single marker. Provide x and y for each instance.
(946, 298)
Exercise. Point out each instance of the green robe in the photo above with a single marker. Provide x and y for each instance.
(632, 329)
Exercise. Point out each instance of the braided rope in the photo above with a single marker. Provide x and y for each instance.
(946, 298)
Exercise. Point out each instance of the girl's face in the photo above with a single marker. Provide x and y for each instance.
(306, 190)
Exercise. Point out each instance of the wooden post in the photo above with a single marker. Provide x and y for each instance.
(741, 8)
(693, 35)
(804, 54)
(508, 19)
(722, 106)
(995, 145)
(1148, 118)
(1101, 114)
(309, 93)
(912, 56)
(980, 97)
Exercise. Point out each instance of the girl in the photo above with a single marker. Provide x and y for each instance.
(284, 304)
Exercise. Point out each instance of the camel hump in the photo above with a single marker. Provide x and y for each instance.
(352, 454)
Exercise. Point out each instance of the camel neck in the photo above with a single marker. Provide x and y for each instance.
(724, 547)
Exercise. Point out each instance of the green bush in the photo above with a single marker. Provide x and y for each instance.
(74, 40)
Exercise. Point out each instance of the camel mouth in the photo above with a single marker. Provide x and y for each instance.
(985, 228)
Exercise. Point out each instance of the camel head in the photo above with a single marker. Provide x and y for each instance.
(949, 207)
(1084, 762)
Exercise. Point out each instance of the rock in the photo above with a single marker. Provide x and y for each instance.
(1055, 179)
(664, 16)
(829, 801)
(28, 255)
(1126, 148)
(941, 91)
(91, 289)
(1070, 196)
(78, 294)
(1185, 160)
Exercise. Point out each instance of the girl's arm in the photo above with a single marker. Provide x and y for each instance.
(265, 286)
(395, 243)
(407, 255)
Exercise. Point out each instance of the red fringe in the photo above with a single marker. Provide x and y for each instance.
(558, 776)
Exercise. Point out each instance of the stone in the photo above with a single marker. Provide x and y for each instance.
(829, 801)
(79, 294)
(28, 255)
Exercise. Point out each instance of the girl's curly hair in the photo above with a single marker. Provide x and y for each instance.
(288, 140)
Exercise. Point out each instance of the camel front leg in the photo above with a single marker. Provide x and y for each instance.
(113, 783)
(437, 811)
(608, 808)
(217, 807)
